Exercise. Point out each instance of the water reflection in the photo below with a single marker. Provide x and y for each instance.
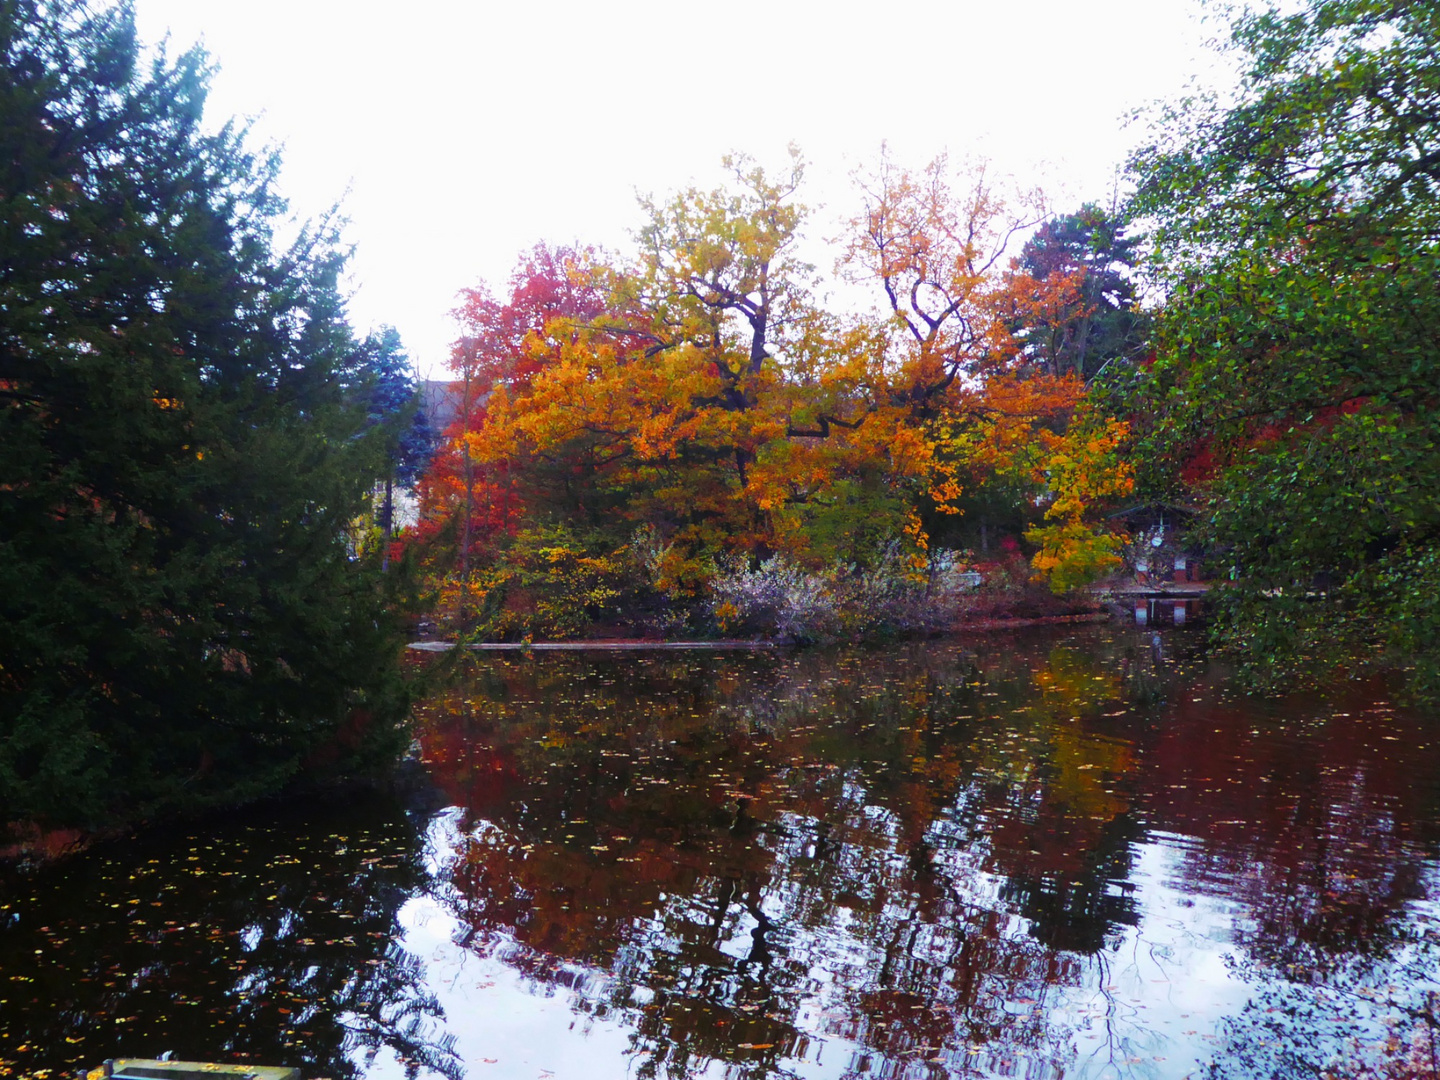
(248, 941)
(1052, 854)
(926, 856)
(1160, 608)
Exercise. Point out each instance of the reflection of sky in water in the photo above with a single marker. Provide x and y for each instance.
(1149, 1005)
(520, 1027)
(1068, 854)
(1168, 983)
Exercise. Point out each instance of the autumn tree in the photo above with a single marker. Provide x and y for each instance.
(955, 297)
(472, 505)
(701, 405)
(712, 389)
(940, 256)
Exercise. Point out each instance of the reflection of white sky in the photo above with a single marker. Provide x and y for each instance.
(1149, 1006)
(1171, 985)
(496, 1013)
(466, 132)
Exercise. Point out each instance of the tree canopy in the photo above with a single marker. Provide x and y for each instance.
(1099, 321)
(696, 405)
(1297, 243)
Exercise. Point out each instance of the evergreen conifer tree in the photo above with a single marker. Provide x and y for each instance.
(393, 400)
(181, 621)
(1106, 324)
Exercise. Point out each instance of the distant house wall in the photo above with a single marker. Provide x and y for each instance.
(439, 401)
(1159, 548)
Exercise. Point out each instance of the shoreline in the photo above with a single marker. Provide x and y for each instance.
(613, 644)
(734, 645)
(25, 843)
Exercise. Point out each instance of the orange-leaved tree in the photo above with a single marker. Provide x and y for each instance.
(718, 396)
(696, 403)
(953, 297)
(469, 504)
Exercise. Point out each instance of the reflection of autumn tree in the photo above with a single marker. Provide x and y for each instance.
(1326, 854)
(711, 833)
(254, 945)
(920, 850)
(1324, 848)
(1063, 830)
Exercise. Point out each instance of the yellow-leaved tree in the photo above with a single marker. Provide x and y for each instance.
(696, 406)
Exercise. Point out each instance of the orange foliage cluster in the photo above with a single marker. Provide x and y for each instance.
(700, 391)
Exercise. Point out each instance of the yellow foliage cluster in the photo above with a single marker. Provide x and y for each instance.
(1085, 468)
(707, 394)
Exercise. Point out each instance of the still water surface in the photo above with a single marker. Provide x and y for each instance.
(1075, 853)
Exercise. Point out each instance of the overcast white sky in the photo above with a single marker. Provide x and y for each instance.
(464, 132)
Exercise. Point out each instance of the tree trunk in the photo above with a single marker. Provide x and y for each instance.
(386, 521)
(469, 476)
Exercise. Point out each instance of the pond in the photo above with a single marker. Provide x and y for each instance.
(1076, 852)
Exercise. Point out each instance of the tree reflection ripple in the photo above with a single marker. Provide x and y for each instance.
(1077, 853)
(928, 860)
